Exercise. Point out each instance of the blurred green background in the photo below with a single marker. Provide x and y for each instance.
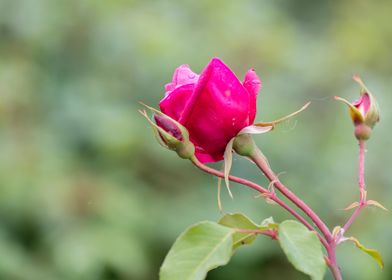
(87, 193)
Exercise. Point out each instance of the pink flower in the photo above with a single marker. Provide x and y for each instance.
(213, 107)
(364, 112)
(365, 109)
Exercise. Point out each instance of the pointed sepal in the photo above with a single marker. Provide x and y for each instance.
(371, 252)
(228, 161)
(283, 119)
(377, 204)
(351, 206)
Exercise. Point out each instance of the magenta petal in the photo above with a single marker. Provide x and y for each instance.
(217, 110)
(363, 104)
(204, 157)
(174, 103)
(253, 85)
(182, 75)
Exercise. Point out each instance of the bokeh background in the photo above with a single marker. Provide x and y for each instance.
(87, 193)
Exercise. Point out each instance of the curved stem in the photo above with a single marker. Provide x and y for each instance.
(263, 191)
(262, 163)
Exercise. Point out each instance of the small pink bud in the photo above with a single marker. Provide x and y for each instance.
(169, 126)
(171, 134)
(179, 140)
(364, 112)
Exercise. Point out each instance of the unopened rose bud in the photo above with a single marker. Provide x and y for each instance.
(364, 112)
(169, 126)
(176, 137)
(171, 134)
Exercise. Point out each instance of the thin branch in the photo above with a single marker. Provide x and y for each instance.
(264, 192)
(262, 163)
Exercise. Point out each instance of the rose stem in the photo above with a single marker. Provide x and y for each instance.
(260, 189)
(361, 183)
(330, 245)
(362, 204)
(332, 263)
(260, 161)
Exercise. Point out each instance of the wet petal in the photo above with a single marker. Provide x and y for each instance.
(174, 103)
(217, 110)
(252, 84)
(183, 75)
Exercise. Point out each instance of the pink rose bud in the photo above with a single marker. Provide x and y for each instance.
(364, 112)
(169, 126)
(179, 141)
(213, 107)
(171, 134)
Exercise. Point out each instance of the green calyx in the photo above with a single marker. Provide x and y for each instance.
(244, 145)
(185, 150)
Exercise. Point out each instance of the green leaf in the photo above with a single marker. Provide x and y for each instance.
(240, 221)
(371, 252)
(302, 248)
(202, 247)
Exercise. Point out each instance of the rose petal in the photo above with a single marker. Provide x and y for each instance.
(174, 103)
(183, 75)
(363, 104)
(205, 157)
(253, 85)
(217, 110)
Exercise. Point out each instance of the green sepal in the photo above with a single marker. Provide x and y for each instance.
(371, 252)
(285, 118)
(184, 131)
(227, 163)
(355, 114)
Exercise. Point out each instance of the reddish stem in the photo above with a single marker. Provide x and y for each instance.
(263, 191)
(332, 263)
(361, 184)
(330, 245)
(262, 163)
